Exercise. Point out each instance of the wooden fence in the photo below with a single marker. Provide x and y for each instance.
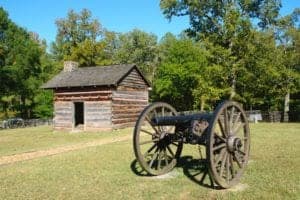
(21, 123)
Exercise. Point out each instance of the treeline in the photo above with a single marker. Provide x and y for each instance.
(223, 55)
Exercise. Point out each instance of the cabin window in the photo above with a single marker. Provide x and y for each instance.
(78, 113)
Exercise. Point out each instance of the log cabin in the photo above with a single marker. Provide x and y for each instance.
(98, 98)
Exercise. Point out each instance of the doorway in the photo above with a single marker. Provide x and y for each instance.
(78, 114)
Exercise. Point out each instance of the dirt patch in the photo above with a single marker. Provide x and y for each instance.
(4, 160)
(238, 188)
(171, 174)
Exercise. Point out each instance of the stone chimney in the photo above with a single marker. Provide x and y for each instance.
(70, 66)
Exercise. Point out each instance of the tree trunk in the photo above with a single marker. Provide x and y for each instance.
(202, 104)
(286, 107)
(233, 86)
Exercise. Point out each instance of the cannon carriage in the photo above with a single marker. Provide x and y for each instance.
(160, 133)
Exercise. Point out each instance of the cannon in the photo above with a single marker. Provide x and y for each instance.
(160, 133)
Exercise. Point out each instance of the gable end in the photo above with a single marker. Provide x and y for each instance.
(134, 79)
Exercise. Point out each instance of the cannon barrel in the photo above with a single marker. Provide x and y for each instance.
(180, 119)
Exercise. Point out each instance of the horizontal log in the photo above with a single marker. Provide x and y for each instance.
(130, 92)
(125, 88)
(123, 125)
(129, 101)
(97, 118)
(98, 125)
(63, 120)
(105, 92)
(135, 97)
(63, 114)
(124, 120)
(102, 103)
(126, 111)
(82, 98)
(127, 115)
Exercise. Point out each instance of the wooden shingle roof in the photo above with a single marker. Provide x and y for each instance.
(92, 76)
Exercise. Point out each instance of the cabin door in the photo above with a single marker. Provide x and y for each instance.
(78, 114)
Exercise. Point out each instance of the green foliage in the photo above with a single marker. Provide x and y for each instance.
(43, 101)
(248, 63)
(78, 38)
(182, 61)
(23, 67)
(140, 48)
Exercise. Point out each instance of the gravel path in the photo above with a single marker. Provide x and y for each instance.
(4, 160)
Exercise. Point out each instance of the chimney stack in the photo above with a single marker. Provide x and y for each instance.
(70, 66)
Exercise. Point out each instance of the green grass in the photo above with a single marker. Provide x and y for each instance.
(104, 172)
(14, 141)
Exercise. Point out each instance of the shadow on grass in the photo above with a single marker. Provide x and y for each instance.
(195, 169)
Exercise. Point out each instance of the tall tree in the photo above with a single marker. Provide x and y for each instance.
(288, 36)
(78, 38)
(181, 63)
(140, 48)
(20, 64)
(225, 24)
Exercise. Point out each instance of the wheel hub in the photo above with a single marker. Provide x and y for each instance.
(164, 140)
(234, 143)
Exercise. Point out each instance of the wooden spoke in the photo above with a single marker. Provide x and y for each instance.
(231, 165)
(166, 156)
(236, 120)
(222, 128)
(239, 126)
(241, 152)
(227, 168)
(231, 117)
(149, 141)
(237, 160)
(223, 151)
(223, 164)
(220, 146)
(170, 150)
(226, 122)
(149, 150)
(148, 132)
(221, 138)
(203, 176)
(174, 144)
(153, 158)
(153, 127)
(159, 161)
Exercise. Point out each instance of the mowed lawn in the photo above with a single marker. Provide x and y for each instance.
(110, 171)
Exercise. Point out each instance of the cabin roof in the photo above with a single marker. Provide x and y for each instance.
(93, 76)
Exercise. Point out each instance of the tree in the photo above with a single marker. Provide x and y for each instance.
(140, 48)
(21, 67)
(181, 63)
(226, 25)
(78, 38)
(288, 35)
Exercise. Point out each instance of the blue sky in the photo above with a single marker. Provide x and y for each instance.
(116, 15)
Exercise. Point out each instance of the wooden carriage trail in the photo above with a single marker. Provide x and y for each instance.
(4, 160)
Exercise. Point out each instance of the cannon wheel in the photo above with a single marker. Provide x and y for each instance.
(156, 147)
(228, 144)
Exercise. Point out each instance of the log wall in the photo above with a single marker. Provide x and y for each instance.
(63, 115)
(97, 115)
(127, 106)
